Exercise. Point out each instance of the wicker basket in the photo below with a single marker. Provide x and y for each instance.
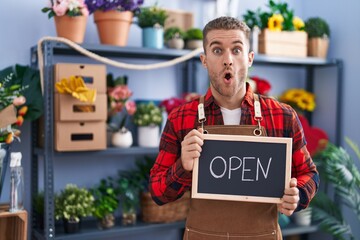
(170, 212)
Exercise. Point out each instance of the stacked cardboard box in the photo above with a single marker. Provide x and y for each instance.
(81, 126)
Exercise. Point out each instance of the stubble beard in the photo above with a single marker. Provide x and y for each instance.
(220, 87)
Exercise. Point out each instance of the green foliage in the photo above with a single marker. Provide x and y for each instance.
(147, 114)
(106, 198)
(194, 34)
(111, 81)
(338, 168)
(317, 27)
(129, 186)
(173, 32)
(151, 16)
(27, 80)
(39, 203)
(73, 203)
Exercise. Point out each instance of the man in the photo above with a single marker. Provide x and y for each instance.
(229, 101)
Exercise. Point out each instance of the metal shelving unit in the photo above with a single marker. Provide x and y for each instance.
(51, 49)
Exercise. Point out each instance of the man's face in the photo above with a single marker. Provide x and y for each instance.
(227, 60)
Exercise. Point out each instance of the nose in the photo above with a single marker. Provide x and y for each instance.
(228, 60)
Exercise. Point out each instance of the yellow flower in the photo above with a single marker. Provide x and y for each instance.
(298, 24)
(299, 99)
(275, 22)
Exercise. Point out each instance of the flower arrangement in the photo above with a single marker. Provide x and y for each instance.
(148, 114)
(118, 98)
(11, 93)
(151, 17)
(278, 18)
(73, 203)
(299, 99)
(70, 8)
(173, 102)
(261, 85)
(120, 5)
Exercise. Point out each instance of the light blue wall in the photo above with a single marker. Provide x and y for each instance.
(22, 24)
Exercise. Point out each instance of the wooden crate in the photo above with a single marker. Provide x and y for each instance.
(178, 18)
(284, 43)
(13, 226)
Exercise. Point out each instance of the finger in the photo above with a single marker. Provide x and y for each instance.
(19, 101)
(293, 182)
(291, 191)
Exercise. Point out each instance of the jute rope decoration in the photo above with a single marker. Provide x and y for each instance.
(108, 61)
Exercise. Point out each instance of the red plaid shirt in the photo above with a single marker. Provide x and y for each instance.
(169, 180)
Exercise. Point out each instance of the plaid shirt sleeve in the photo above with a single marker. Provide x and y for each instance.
(168, 179)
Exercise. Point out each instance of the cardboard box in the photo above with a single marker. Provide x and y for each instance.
(13, 226)
(284, 43)
(68, 108)
(80, 136)
(94, 75)
(177, 18)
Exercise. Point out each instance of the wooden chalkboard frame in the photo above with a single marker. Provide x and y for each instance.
(243, 138)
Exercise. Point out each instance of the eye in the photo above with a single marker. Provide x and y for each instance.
(237, 50)
(217, 51)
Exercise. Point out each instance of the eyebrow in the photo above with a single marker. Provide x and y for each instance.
(219, 43)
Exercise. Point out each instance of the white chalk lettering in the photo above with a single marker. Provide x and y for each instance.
(249, 172)
(262, 169)
(230, 165)
(246, 170)
(211, 170)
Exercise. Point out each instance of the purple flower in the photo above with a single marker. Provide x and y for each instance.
(107, 5)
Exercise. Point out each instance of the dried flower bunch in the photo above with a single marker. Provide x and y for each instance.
(278, 18)
(120, 5)
(299, 99)
(70, 8)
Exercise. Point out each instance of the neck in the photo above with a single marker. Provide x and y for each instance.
(229, 102)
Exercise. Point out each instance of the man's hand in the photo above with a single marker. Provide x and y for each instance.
(191, 148)
(291, 199)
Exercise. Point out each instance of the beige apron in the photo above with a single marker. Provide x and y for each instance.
(234, 220)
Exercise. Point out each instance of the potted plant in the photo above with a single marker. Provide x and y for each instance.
(106, 202)
(194, 38)
(174, 38)
(338, 169)
(70, 18)
(113, 19)
(319, 33)
(129, 186)
(148, 118)
(278, 23)
(72, 204)
(119, 106)
(152, 21)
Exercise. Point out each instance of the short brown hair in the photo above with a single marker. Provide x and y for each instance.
(226, 23)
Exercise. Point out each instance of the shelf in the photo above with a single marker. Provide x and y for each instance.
(109, 151)
(90, 231)
(167, 54)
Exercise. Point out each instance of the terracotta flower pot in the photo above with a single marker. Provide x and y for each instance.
(72, 28)
(113, 26)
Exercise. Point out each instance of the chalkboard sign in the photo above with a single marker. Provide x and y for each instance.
(242, 168)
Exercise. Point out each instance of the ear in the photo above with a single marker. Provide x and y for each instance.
(203, 60)
(250, 58)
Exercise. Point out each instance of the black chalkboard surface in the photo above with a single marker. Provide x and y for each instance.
(242, 168)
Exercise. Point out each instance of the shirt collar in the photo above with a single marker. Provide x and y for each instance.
(248, 98)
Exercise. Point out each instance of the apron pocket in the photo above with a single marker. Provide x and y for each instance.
(195, 234)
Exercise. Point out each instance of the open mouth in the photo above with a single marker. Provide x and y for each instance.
(228, 76)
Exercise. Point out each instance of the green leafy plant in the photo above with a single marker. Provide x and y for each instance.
(173, 32)
(129, 185)
(151, 16)
(147, 114)
(278, 18)
(106, 198)
(337, 168)
(73, 203)
(317, 27)
(194, 34)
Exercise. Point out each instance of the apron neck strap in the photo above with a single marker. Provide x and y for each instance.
(201, 112)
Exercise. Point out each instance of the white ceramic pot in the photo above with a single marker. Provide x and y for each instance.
(122, 138)
(148, 136)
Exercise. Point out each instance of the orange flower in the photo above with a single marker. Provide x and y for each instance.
(19, 121)
(23, 110)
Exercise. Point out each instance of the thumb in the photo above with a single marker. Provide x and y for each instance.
(293, 182)
(201, 130)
